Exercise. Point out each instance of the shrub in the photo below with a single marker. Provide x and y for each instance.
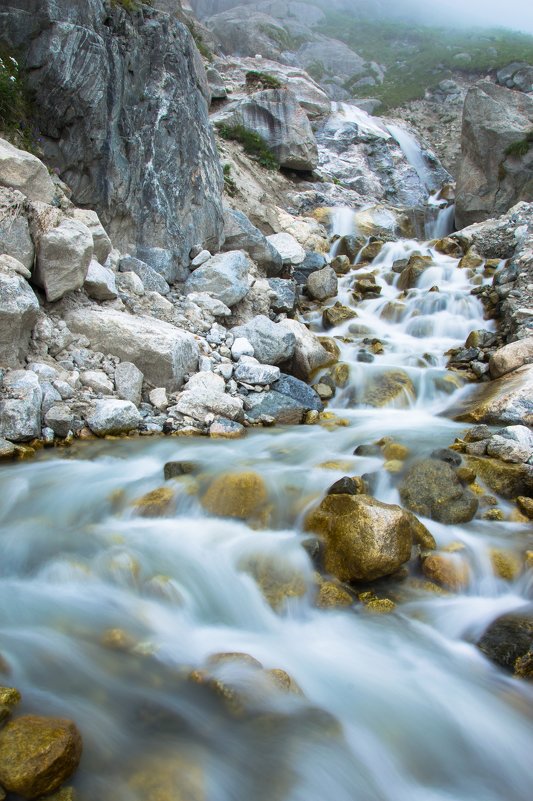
(14, 100)
(520, 148)
(229, 184)
(256, 79)
(252, 142)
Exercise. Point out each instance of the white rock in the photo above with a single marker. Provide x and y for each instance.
(101, 242)
(225, 277)
(511, 357)
(7, 449)
(200, 259)
(63, 258)
(24, 172)
(51, 396)
(20, 408)
(100, 282)
(113, 417)
(19, 309)
(210, 304)
(129, 382)
(158, 398)
(250, 371)
(64, 388)
(288, 248)
(11, 265)
(163, 352)
(241, 347)
(508, 450)
(204, 394)
(45, 372)
(309, 353)
(98, 381)
(130, 283)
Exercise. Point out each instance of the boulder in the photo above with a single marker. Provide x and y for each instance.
(241, 234)
(38, 754)
(24, 172)
(508, 479)
(113, 417)
(63, 257)
(18, 314)
(511, 357)
(275, 407)
(505, 400)
(288, 248)
(276, 116)
(60, 419)
(508, 639)
(250, 371)
(152, 280)
(224, 276)
(312, 261)
(162, 352)
(216, 84)
(20, 407)
(100, 282)
(322, 284)
(101, 242)
(272, 342)
(496, 165)
(309, 352)
(364, 538)
(299, 391)
(391, 388)
(15, 237)
(205, 394)
(337, 314)
(336, 58)
(98, 381)
(448, 570)
(283, 295)
(129, 382)
(7, 449)
(512, 444)
(431, 488)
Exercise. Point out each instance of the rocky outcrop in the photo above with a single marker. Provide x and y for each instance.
(241, 234)
(496, 167)
(24, 172)
(63, 258)
(120, 103)
(20, 407)
(276, 116)
(18, 311)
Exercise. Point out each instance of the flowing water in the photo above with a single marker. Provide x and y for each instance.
(105, 614)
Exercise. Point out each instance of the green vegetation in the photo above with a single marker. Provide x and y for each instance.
(520, 148)
(419, 57)
(229, 184)
(14, 101)
(262, 80)
(131, 6)
(252, 143)
(198, 40)
(281, 37)
(316, 70)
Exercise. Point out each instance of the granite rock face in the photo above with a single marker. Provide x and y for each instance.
(120, 102)
(496, 167)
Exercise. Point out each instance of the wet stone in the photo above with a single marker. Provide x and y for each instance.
(348, 485)
(177, 469)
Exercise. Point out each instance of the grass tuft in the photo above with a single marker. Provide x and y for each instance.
(254, 144)
(261, 80)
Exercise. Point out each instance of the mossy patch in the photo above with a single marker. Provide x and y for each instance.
(262, 80)
(253, 144)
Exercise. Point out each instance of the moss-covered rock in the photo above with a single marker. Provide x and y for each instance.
(364, 538)
(156, 503)
(172, 777)
(331, 595)
(446, 570)
(340, 374)
(276, 579)
(38, 754)
(241, 495)
(505, 564)
(431, 488)
(283, 681)
(373, 249)
(505, 478)
(449, 247)
(507, 641)
(337, 314)
(526, 506)
(393, 388)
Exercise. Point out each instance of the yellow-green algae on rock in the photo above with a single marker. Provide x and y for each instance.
(241, 495)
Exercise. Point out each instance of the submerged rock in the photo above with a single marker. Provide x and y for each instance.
(431, 488)
(241, 495)
(393, 388)
(38, 754)
(364, 538)
(507, 641)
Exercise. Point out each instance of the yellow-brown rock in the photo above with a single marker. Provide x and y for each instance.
(392, 388)
(340, 373)
(505, 564)
(379, 606)
(449, 247)
(38, 754)
(447, 570)
(224, 658)
(332, 596)
(283, 681)
(329, 344)
(393, 450)
(337, 314)
(9, 696)
(364, 538)
(174, 777)
(525, 505)
(240, 495)
(156, 503)
(505, 478)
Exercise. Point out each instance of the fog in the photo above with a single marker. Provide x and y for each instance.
(515, 14)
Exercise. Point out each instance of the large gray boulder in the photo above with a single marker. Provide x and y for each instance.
(18, 314)
(15, 237)
(113, 417)
(224, 276)
(277, 117)
(152, 281)
(335, 58)
(309, 354)
(129, 382)
(273, 343)
(496, 167)
(120, 103)
(24, 172)
(20, 407)
(100, 282)
(163, 353)
(101, 242)
(63, 258)
(241, 234)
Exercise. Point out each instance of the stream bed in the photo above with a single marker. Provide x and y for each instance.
(109, 618)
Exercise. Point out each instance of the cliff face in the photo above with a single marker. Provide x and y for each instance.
(120, 103)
